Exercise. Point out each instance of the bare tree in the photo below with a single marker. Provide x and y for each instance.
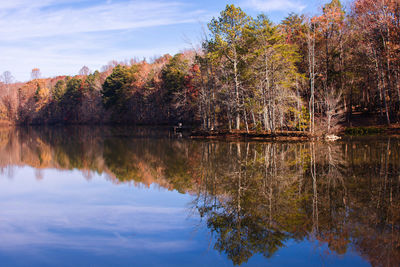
(334, 111)
(311, 66)
(84, 71)
(7, 77)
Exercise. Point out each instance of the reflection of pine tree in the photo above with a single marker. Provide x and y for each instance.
(249, 218)
(262, 195)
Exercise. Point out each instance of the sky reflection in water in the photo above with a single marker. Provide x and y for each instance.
(53, 215)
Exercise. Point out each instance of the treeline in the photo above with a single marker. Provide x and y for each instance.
(306, 73)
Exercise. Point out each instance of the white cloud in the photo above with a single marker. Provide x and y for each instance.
(108, 218)
(60, 36)
(33, 20)
(274, 5)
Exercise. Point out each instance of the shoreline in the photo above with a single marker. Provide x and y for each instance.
(251, 135)
(373, 130)
(192, 133)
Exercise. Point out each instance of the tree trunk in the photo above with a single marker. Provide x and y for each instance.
(311, 63)
(235, 62)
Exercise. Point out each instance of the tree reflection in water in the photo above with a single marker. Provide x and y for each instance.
(255, 197)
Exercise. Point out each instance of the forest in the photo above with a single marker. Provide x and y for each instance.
(313, 74)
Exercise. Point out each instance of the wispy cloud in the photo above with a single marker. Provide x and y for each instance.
(275, 5)
(109, 218)
(60, 36)
(20, 21)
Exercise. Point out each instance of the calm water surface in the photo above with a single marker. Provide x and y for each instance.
(83, 196)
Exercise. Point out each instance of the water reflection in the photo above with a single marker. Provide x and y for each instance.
(253, 197)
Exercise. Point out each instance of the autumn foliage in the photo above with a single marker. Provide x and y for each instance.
(306, 73)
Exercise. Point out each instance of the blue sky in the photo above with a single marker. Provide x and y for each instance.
(60, 36)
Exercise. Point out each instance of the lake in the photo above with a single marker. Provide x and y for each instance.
(112, 196)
